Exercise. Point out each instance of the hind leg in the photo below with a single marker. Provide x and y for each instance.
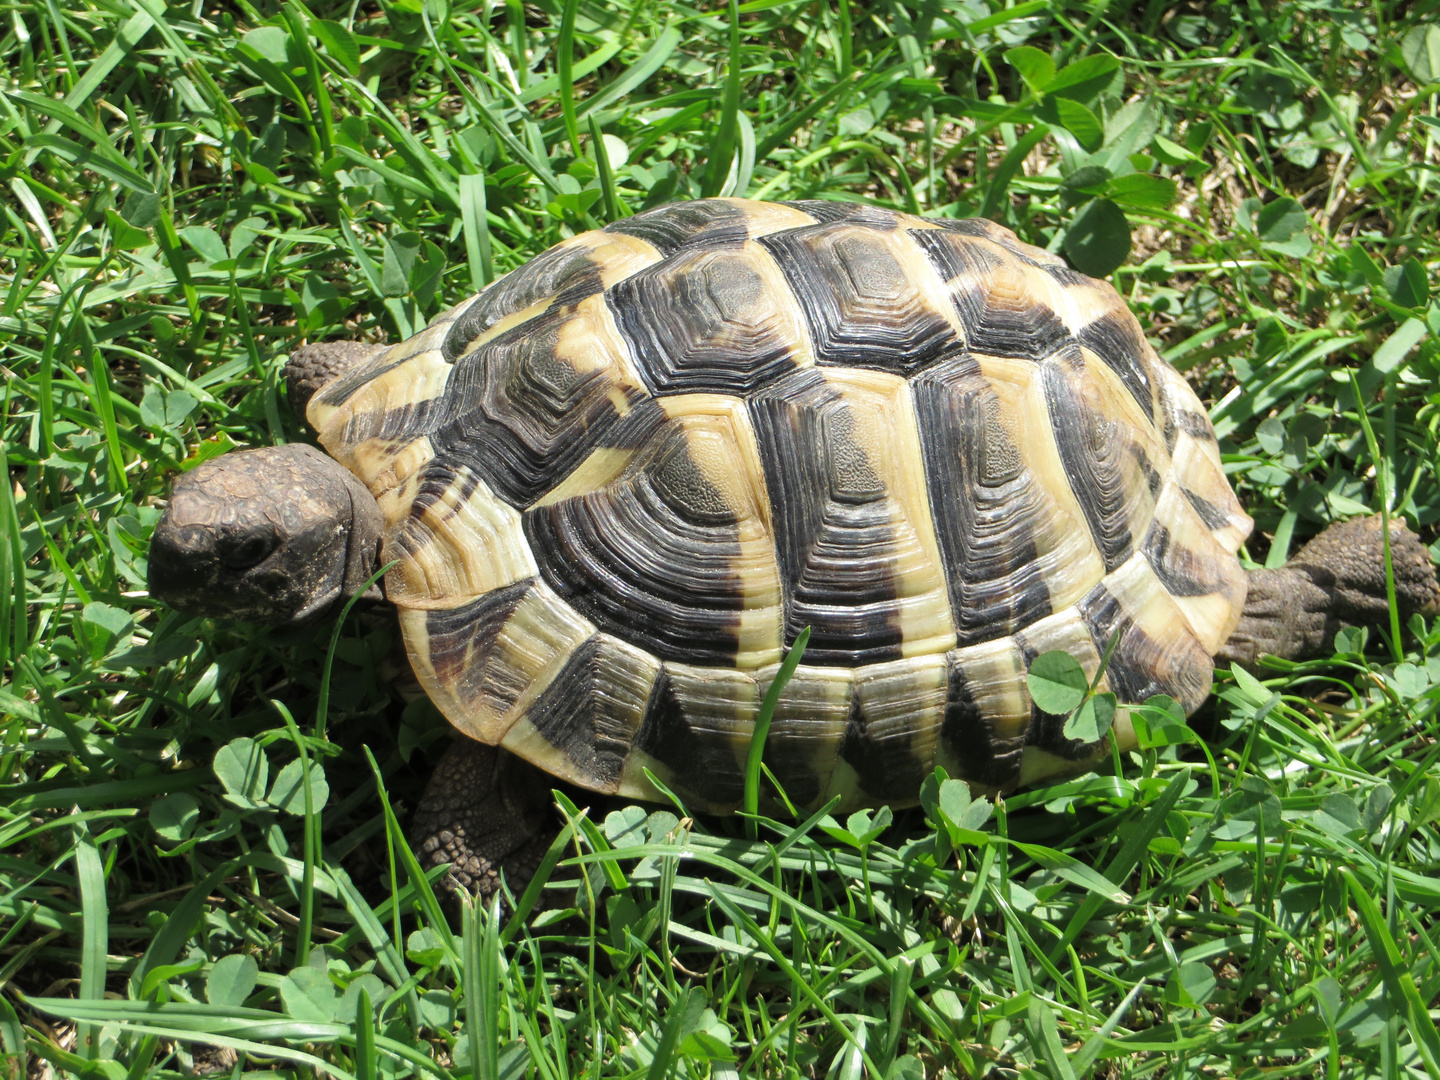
(486, 813)
(1337, 579)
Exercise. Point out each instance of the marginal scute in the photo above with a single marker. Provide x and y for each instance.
(1004, 238)
(482, 662)
(582, 727)
(696, 735)
(764, 218)
(571, 271)
(337, 395)
(387, 404)
(670, 228)
(1199, 572)
(811, 717)
(828, 213)
(1157, 652)
(386, 467)
(987, 714)
(450, 538)
(1182, 415)
(894, 727)
(1196, 468)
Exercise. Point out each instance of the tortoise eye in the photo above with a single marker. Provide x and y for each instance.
(248, 552)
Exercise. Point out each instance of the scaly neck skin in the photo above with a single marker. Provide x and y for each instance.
(1336, 580)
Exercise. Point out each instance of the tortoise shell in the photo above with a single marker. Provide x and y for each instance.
(619, 482)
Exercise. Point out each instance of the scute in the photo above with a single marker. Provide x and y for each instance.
(524, 408)
(620, 482)
(670, 548)
(852, 530)
(714, 317)
(869, 297)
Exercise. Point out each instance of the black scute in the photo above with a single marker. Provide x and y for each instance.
(669, 228)
(649, 558)
(1182, 571)
(827, 212)
(1215, 517)
(983, 500)
(861, 308)
(343, 388)
(1141, 666)
(460, 638)
(968, 737)
(1028, 331)
(586, 711)
(695, 324)
(977, 227)
(1117, 340)
(687, 737)
(881, 755)
(437, 477)
(833, 531)
(1065, 276)
(523, 416)
(1095, 454)
(570, 271)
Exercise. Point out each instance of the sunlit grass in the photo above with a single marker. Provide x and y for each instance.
(192, 191)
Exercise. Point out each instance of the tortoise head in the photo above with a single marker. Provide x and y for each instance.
(276, 535)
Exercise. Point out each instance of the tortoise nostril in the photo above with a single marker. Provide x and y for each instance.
(248, 552)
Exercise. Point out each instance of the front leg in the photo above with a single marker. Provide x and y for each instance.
(312, 366)
(485, 812)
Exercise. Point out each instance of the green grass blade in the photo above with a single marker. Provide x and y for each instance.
(1400, 987)
(608, 196)
(531, 896)
(90, 873)
(637, 74)
(14, 604)
(762, 726)
(322, 708)
(429, 903)
(477, 231)
(483, 987)
(717, 174)
(565, 58)
(1382, 471)
(366, 1067)
(304, 933)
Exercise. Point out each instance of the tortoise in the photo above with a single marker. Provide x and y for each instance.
(617, 483)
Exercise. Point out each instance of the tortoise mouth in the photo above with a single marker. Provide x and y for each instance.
(318, 606)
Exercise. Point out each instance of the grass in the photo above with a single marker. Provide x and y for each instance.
(203, 865)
